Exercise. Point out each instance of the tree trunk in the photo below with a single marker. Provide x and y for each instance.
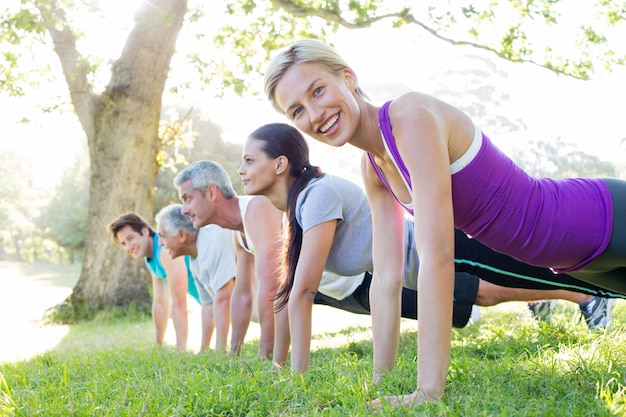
(121, 126)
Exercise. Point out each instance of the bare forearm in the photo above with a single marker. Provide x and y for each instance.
(160, 315)
(179, 318)
(208, 324)
(385, 301)
(300, 329)
(222, 324)
(434, 334)
(265, 303)
(281, 338)
(241, 313)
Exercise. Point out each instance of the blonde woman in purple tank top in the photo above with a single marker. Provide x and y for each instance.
(431, 153)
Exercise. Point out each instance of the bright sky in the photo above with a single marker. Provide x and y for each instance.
(582, 112)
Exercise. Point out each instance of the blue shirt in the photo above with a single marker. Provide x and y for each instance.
(154, 266)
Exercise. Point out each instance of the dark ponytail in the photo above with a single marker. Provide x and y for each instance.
(282, 139)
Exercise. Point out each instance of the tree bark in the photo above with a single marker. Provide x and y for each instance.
(121, 126)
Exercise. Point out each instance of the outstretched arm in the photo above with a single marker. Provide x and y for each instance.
(442, 131)
(282, 338)
(160, 308)
(387, 255)
(264, 227)
(316, 244)
(242, 298)
(176, 272)
(208, 325)
(221, 312)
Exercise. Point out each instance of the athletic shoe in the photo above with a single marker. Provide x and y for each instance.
(542, 310)
(597, 312)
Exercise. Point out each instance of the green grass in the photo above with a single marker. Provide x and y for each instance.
(504, 365)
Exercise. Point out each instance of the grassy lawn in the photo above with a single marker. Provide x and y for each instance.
(504, 365)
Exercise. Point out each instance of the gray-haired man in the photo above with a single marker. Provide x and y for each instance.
(213, 266)
(208, 197)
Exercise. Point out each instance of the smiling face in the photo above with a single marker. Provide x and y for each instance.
(319, 102)
(195, 205)
(258, 170)
(170, 241)
(137, 245)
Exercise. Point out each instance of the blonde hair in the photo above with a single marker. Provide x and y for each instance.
(303, 51)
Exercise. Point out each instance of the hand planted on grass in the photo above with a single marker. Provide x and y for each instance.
(406, 401)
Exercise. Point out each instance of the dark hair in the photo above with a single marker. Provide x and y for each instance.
(135, 221)
(282, 139)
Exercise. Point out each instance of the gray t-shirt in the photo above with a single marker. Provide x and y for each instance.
(216, 263)
(333, 198)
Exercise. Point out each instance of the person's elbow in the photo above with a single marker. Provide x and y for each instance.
(385, 284)
(301, 296)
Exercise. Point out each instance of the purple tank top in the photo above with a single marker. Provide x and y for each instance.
(385, 126)
(558, 224)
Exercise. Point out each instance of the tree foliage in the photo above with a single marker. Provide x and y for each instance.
(120, 116)
(20, 32)
(188, 135)
(589, 34)
(120, 121)
(64, 219)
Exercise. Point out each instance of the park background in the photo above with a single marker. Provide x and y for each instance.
(522, 106)
(553, 124)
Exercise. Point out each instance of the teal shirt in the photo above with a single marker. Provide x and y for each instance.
(154, 266)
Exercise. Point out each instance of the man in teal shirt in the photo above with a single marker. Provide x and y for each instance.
(171, 278)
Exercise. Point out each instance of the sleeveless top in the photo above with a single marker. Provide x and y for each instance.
(242, 238)
(156, 268)
(560, 224)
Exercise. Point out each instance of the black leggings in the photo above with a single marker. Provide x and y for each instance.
(465, 290)
(473, 257)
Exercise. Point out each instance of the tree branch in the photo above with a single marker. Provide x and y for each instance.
(157, 24)
(404, 16)
(75, 67)
(409, 18)
(330, 15)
